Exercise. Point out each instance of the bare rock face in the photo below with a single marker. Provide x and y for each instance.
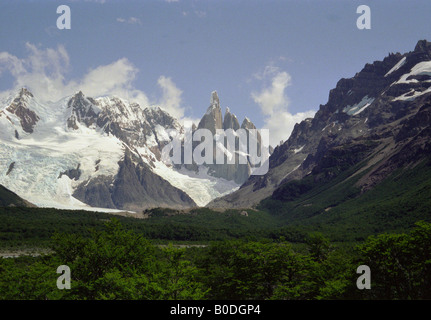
(230, 121)
(247, 124)
(73, 174)
(380, 117)
(212, 120)
(82, 111)
(96, 192)
(135, 188)
(19, 107)
(11, 199)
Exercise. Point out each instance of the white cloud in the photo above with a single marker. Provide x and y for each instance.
(274, 103)
(130, 20)
(134, 20)
(281, 124)
(269, 71)
(44, 72)
(200, 13)
(273, 98)
(95, 1)
(11, 63)
(113, 79)
(171, 98)
(188, 122)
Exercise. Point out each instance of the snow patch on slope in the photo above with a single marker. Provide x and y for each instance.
(299, 149)
(422, 68)
(411, 95)
(359, 107)
(397, 66)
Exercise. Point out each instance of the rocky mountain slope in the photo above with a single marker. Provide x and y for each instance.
(376, 122)
(11, 199)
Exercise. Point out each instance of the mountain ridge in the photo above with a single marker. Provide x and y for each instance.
(379, 105)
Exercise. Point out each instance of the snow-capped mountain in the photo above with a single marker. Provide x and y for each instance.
(104, 152)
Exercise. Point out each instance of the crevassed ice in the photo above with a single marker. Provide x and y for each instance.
(40, 158)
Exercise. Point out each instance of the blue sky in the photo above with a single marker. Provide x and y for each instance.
(273, 61)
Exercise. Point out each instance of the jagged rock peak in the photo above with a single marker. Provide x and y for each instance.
(25, 92)
(212, 119)
(153, 109)
(156, 111)
(247, 124)
(84, 110)
(79, 94)
(19, 107)
(78, 100)
(214, 99)
(22, 96)
(157, 116)
(423, 46)
(230, 120)
(214, 104)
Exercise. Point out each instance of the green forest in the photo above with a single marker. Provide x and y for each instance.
(111, 262)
